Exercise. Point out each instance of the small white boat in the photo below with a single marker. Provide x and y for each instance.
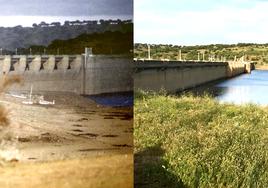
(46, 102)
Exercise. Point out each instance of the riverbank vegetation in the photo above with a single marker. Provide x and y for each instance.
(252, 52)
(190, 141)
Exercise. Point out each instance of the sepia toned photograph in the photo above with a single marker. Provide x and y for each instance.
(66, 103)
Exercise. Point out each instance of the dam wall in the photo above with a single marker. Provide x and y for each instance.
(80, 74)
(113, 74)
(174, 76)
(234, 68)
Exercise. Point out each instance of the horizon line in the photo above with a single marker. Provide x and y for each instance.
(182, 45)
(28, 21)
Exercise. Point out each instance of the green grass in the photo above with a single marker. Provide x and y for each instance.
(192, 141)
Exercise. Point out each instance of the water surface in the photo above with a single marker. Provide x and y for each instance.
(246, 88)
(123, 99)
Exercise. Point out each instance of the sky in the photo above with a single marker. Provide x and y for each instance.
(27, 12)
(197, 22)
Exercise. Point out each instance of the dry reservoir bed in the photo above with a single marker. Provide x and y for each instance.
(73, 130)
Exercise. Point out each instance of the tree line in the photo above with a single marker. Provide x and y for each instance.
(84, 22)
(108, 42)
(251, 51)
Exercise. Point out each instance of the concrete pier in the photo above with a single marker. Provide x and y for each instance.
(49, 64)
(35, 64)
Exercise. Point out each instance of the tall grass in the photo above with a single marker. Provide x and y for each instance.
(205, 144)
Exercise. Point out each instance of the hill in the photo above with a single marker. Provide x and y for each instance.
(253, 52)
(109, 42)
(44, 33)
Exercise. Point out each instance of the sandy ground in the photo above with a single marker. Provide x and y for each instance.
(73, 130)
(114, 171)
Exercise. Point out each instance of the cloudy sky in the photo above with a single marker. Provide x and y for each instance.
(192, 22)
(26, 12)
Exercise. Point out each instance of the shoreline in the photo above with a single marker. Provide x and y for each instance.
(72, 128)
(73, 143)
(261, 67)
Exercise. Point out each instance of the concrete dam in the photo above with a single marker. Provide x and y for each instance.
(174, 76)
(80, 74)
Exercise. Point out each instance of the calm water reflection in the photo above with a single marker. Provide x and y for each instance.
(246, 88)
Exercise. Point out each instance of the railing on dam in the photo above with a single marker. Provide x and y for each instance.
(153, 64)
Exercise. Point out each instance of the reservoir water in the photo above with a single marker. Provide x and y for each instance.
(122, 99)
(246, 88)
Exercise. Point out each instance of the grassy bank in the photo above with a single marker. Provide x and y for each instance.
(196, 142)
